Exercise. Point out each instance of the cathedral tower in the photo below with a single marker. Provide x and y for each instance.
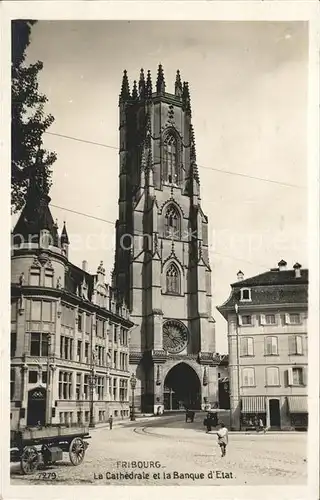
(162, 265)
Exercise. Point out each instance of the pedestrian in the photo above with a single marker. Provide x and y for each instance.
(261, 426)
(222, 438)
(110, 422)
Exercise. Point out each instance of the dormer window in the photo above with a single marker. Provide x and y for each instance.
(245, 294)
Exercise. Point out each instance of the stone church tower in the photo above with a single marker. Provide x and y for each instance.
(162, 264)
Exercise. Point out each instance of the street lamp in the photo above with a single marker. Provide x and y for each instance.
(92, 383)
(133, 382)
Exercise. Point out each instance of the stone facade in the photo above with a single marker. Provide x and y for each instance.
(162, 263)
(268, 341)
(67, 323)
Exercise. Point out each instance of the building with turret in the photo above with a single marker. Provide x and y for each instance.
(267, 319)
(69, 328)
(162, 264)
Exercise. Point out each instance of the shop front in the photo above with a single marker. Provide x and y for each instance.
(253, 409)
(298, 410)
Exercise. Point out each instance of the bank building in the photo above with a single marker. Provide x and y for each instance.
(70, 330)
(162, 264)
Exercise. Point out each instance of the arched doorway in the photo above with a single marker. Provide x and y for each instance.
(182, 388)
(36, 406)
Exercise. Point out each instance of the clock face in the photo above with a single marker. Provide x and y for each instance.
(175, 336)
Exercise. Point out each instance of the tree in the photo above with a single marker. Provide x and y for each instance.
(28, 119)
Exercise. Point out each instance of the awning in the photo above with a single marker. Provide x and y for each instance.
(253, 404)
(298, 404)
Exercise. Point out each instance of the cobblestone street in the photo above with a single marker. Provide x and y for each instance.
(177, 448)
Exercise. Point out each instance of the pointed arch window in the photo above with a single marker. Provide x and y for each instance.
(172, 222)
(170, 156)
(173, 280)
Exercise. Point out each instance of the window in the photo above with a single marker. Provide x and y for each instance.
(245, 320)
(272, 376)
(67, 316)
(293, 319)
(86, 352)
(115, 389)
(115, 359)
(12, 382)
(66, 347)
(13, 344)
(65, 385)
(271, 346)
(115, 332)
(297, 376)
(122, 389)
(88, 323)
(39, 344)
(46, 311)
(80, 322)
(99, 328)
(14, 312)
(36, 310)
(100, 388)
(48, 279)
(246, 346)
(172, 223)
(170, 162)
(33, 377)
(248, 379)
(35, 277)
(245, 294)
(270, 319)
(78, 386)
(44, 377)
(79, 351)
(86, 387)
(295, 345)
(173, 279)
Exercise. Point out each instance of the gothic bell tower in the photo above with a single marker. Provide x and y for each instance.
(162, 263)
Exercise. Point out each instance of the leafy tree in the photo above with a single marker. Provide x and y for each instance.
(28, 119)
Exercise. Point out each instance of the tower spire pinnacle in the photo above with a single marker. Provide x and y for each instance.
(142, 85)
(149, 85)
(186, 98)
(125, 90)
(161, 86)
(134, 91)
(178, 85)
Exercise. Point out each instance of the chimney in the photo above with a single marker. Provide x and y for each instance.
(240, 275)
(282, 265)
(85, 266)
(297, 270)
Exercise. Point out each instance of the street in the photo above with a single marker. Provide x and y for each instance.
(168, 451)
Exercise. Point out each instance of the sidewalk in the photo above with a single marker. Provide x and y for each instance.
(124, 423)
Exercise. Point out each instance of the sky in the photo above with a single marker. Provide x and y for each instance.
(248, 85)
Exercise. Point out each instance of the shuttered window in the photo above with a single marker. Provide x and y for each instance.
(271, 346)
(295, 345)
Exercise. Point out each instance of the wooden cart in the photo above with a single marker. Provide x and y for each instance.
(33, 447)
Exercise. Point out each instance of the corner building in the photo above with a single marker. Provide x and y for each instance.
(162, 264)
(69, 329)
(267, 319)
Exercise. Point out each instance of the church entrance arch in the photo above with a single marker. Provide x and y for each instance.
(182, 388)
(36, 406)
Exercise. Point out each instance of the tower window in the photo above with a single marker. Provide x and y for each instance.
(172, 223)
(170, 151)
(173, 280)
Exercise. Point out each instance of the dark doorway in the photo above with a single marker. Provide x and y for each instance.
(182, 388)
(36, 406)
(274, 409)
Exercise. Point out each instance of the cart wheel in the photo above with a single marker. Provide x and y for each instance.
(29, 460)
(76, 451)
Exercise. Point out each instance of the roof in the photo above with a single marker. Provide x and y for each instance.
(274, 277)
(273, 287)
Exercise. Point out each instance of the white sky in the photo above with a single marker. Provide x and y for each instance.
(248, 84)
